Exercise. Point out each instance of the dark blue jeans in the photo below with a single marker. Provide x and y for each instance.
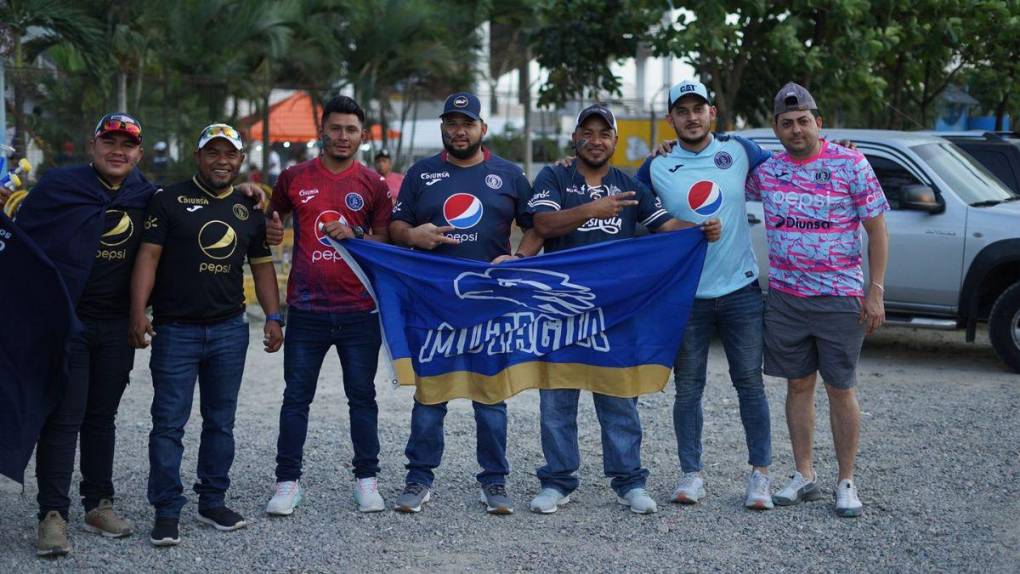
(425, 446)
(738, 317)
(99, 365)
(309, 336)
(621, 441)
(215, 355)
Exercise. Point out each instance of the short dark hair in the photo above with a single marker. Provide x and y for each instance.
(342, 105)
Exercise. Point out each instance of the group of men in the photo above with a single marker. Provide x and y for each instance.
(182, 250)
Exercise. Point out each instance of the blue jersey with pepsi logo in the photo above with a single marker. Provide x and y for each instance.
(480, 202)
(558, 187)
(710, 184)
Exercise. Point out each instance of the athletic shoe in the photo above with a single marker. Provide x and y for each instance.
(104, 520)
(847, 503)
(798, 490)
(758, 495)
(285, 499)
(166, 532)
(690, 489)
(413, 498)
(495, 499)
(221, 518)
(549, 500)
(52, 536)
(638, 501)
(367, 496)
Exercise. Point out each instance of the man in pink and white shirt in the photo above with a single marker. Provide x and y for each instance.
(817, 195)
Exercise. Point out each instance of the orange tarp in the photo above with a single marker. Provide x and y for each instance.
(290, 120)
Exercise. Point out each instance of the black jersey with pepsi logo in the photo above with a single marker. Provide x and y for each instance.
(558, 187)
(106, 294)
(206, 237)
(480, 202)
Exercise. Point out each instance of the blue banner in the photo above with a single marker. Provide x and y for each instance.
(38, 317)
(607, 317)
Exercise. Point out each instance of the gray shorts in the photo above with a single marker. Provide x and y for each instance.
(808, 334)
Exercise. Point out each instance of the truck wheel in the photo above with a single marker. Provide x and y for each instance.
(1004, 326)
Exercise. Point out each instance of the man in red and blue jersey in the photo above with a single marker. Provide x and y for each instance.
(333, 195)
(461, 203)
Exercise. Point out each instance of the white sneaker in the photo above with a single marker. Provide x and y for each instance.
(367, 496)
(285, 499)
(798, 490)
(638, 501)
(548, 501)
(759, 496)
(847, 503)
(690, 489)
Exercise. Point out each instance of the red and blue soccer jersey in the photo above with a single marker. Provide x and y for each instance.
(319, 278)
(480, 202)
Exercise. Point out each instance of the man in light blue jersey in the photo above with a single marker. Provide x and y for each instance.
(703, 177)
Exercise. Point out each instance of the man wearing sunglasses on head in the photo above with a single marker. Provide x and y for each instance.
(197, 236)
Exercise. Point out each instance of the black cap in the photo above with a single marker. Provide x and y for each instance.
(382, 153)
(464, 103)
(597, 110)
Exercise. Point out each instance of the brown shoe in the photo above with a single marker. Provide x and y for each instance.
(104, 520)
(52, 540)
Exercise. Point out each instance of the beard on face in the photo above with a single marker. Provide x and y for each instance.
(590, 163)
(462, 154)
(327, 148)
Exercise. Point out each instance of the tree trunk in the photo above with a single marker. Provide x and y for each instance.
(525, 88)
(267, 87)
(122, 103)
(20, 137)
(138, 89)
(1000, 111)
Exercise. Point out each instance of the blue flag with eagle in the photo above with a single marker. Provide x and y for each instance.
(607, 317)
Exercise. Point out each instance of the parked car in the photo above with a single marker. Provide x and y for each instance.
(997, 151)
(954, 236)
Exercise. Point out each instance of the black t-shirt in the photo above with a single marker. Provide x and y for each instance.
(106, 294)
(205, 237)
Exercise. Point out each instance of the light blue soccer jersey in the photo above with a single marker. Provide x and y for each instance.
(710, 184)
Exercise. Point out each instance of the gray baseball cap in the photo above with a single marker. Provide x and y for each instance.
(793, 97)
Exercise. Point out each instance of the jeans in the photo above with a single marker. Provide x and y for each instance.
(99, 364)
(309, 336)
(215, 355)
(738, 317)
(425, 446)
(621, 441)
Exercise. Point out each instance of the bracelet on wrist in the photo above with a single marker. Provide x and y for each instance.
(879, 285)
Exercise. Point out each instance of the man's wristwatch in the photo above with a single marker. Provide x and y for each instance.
(276, 317)
(359, 233)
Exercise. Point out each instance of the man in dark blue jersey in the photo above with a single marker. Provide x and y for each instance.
(461, 203)
(591, 202)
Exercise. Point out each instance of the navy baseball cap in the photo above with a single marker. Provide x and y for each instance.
(464, 103)
(597, 110)
(121, 123)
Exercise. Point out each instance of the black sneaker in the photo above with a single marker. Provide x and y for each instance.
(222, 518)
(166, 532)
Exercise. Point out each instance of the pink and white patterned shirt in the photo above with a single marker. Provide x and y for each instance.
(813, 214)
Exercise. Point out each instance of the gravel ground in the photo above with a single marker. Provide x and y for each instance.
(939, 473)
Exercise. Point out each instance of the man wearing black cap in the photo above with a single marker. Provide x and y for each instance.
(461, 203)
(197, 236)
(104, 203)
(384, 165)
(587, 203)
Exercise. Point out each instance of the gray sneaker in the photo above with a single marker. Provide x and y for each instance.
(798, 490)
(548, 501)
(52, 536)
(638, 501)
(495, 499)
(758, 495)
(413, 498)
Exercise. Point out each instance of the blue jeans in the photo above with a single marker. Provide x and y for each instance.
(215, 355)
(309, 337)
(739, 319)
(425, 446)
(621, 440)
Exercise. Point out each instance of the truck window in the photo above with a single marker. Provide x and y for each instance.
(892, 177)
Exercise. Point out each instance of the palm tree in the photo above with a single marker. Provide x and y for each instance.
(53, 22)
